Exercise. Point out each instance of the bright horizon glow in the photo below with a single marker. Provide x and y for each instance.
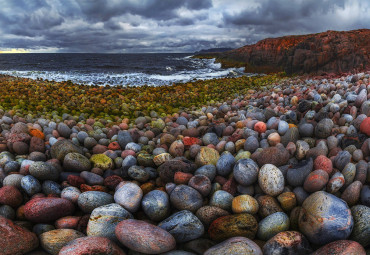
(14, 51)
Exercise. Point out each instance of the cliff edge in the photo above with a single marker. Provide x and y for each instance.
(327, 52)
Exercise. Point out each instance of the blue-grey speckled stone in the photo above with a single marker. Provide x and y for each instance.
(30, 185)
(272, 224)
(90, 200)
(225, 164)
(156, 205)
(222, 199)
(104, 219)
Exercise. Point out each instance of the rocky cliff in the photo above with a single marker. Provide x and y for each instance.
(328, 52)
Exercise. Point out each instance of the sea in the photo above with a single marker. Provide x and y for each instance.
(154, 69)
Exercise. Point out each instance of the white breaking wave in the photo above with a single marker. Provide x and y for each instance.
(208, 69)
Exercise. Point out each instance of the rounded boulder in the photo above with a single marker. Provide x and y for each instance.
(271, 180)
(104, 219)
(91, 245)
(45, 210)
(76, 162)
(90, 200)
(287, 242)
(341, 247)
(325, 218)
(235, 246)
(232, 226)
(54, 240)
(143, 237)
(129, 196)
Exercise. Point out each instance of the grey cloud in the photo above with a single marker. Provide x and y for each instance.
(156, 9)
(184, 21)
(281, 11)
(43, 19)
(272, 16)
(167, 25)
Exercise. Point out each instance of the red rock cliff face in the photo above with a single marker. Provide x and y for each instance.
(328, 52)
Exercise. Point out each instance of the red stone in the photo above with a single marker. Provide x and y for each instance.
(114, 146)
(260, 127)
(365, 126)
(10, 195)
(189, 141)
(70, 222)
(85, 187)
(220, 147)
(182, 178)
(20, 148)
(112, 181)
(46, 210)
(37, 144)
(323, 163)
(143, 237)
(341, 247)
(82, 224)
(316, 180)
(91, 245)
(15, 239)
(230, 186)
(99, 149)
(334, 152)
(123, 126)
(75, 180)
(12, 138)
(276, 155)
(234, 137)
(126, 153)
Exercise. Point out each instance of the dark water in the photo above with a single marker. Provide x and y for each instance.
(113, 69)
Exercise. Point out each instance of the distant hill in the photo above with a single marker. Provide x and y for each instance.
(212, 50)
(327, 52)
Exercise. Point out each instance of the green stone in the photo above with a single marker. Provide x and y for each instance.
(102, 161)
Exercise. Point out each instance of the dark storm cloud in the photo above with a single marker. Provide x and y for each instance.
(166, 25)
(104, 10)
(269, 12)
(306, 16)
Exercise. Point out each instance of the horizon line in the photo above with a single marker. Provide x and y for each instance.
(96, 53)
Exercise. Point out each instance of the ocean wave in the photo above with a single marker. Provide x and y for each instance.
(202, 70)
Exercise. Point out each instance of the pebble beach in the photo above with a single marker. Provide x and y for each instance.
(248, 165)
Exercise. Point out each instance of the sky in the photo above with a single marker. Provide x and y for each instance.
(140, 26)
